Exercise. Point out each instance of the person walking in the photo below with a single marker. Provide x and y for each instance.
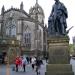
(38, 65)
(20, 63)
(24, 62)
(46, 57)
(27, 58)
(17, 63)
(33, 60)
(30, 58)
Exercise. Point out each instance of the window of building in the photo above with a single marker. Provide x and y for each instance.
(11, 28)
(27, 40)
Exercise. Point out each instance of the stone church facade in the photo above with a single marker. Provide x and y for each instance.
(17, 23)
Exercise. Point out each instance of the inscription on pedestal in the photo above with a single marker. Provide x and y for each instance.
(58, 52)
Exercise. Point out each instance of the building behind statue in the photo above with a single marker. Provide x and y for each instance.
(17, 23)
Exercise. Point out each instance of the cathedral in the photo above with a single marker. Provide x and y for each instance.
(28, 28)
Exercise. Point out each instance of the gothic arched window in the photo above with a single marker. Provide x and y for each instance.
(11, 28)
(27, 39)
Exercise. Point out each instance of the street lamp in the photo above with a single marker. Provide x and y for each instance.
(20, 48)
(37, 41)
(13, 42)
(36, 28)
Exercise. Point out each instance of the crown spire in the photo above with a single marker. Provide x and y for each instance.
(36, 1)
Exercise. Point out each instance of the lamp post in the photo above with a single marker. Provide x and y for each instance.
(20, 48)
(36, 28)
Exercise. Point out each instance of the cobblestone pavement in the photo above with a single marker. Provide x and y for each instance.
(29, 70)
(72, 61)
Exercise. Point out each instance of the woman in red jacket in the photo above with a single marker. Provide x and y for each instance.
(17, 62)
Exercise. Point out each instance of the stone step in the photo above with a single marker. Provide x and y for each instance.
(59, 73)
(59, 67)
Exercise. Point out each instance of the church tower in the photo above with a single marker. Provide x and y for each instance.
(37, 8)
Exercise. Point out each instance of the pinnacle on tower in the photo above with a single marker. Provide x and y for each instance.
(3, 9)
(36, 1)
(21, 6)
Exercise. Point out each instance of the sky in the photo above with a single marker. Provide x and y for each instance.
(46, 6)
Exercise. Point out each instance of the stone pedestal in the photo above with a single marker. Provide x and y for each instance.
(58, 64)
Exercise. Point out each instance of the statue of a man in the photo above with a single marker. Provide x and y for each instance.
(59, 15)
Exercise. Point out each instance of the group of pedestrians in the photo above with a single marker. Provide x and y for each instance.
(21, 62)
(36, 64)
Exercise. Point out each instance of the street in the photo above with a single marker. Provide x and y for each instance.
(72, 61)
(6, 70)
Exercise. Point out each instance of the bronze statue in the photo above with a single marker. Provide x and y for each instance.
(57, 19)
